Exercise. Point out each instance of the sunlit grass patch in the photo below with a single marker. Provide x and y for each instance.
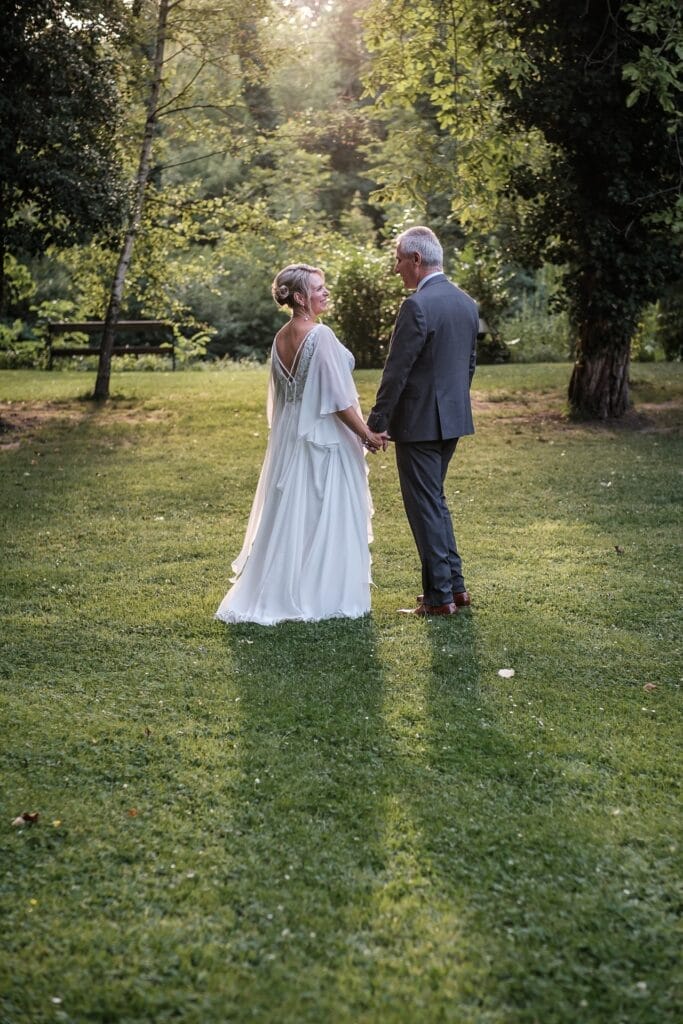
(342, 821)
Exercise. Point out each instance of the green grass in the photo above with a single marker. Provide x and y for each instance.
(348, 821)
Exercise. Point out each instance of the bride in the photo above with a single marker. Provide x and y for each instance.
(305, 554)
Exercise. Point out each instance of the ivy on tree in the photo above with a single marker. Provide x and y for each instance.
(603, 202)
(552, 126)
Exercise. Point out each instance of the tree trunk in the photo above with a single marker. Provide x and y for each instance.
(3, 289)
(118, 283)
(3, 279)
(598, 388)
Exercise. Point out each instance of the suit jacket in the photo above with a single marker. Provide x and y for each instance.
(424, 394)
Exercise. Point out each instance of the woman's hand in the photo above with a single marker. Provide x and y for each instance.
(368, 438)
(373, 442)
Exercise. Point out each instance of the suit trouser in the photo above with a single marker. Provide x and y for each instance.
(422, 467)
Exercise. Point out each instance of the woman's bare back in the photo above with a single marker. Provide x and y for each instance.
(288, 342)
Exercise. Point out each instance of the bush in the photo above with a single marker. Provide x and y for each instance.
(537, 337)
(23, 355)
(669, 328)
(366, 300)
(491, 349)
(20, 349)
(237, 303)
(538, 330)
(480, 274)
(646, 344)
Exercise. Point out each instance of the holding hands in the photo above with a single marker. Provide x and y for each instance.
(368, 438)
(373, 442)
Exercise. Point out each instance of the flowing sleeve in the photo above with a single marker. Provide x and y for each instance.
(329, 385)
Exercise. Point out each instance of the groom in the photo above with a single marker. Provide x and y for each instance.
(423, 405)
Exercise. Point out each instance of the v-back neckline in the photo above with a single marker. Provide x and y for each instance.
(290, 372)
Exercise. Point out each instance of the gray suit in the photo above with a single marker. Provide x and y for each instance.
(424, 402)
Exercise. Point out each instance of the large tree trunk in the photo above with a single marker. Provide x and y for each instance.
(3, 279)
(598, 388)
(118, 283)
(3, 288)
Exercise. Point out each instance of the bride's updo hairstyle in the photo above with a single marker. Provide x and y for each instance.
(294, 278)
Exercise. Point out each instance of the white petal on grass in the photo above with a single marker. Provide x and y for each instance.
(506, 673)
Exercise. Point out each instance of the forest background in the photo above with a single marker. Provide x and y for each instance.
(540, 141)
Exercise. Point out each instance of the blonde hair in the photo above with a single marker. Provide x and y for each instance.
(294, 278)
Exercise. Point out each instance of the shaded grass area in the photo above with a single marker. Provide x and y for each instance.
(345, 821)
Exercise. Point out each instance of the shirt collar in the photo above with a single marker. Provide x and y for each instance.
(435, 273)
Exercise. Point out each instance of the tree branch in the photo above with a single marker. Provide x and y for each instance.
(195, 106)
(183, 91)
(194, 159)
(177, 53)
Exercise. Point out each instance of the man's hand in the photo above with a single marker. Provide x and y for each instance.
(373, 442)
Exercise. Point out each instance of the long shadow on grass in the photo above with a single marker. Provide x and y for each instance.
(536, 872)
(308, 833)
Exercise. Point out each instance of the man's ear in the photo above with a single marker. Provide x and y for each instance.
(417, 258)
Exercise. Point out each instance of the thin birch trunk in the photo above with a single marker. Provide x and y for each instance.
(119, 281)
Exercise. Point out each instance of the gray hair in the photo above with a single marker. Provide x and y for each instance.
(294, 278)
(424, 241)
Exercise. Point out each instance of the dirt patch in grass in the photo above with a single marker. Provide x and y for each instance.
(656, 417)
(533, 410)
(23, 420)
(20, 420)
(543, 410)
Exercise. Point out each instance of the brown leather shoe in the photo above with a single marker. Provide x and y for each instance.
(462, 599)
(425, 610)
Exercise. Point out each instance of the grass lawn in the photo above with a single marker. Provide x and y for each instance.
(351, 821)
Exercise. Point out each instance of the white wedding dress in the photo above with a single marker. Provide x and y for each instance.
(305, 554)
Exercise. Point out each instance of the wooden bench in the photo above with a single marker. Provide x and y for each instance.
(95, 327)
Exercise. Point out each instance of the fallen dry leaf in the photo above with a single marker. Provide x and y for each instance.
(619, 550)
(649, 687)
(26, 819)
(133, 812)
